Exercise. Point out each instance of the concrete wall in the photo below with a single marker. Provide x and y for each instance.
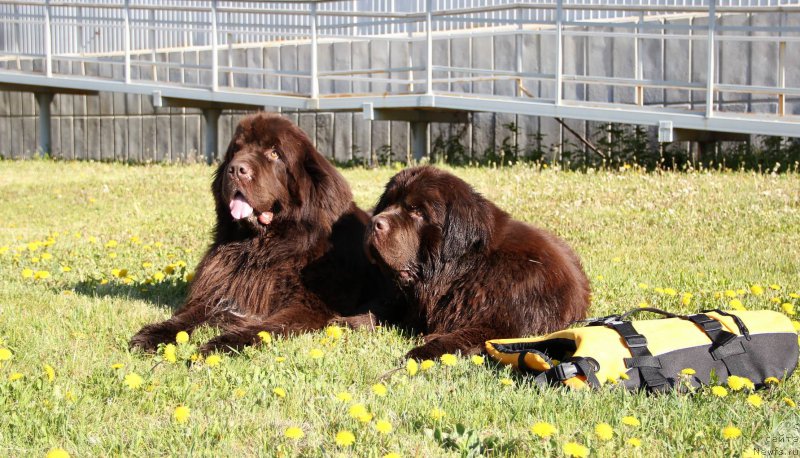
(128, 128)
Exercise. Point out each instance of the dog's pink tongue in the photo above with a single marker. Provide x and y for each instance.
(265, 218)
(240, 208)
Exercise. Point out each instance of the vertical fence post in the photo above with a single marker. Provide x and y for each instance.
(48, 51)
(639, 69)
(518, 45)
(214, 54)
(559, 44)
(314, 53)
(429, 47)
(782, 77)
(127, 41)
(710, 74)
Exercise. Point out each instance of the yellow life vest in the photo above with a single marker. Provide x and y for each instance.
(658, 355)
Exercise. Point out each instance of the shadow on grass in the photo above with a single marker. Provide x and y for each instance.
(167, 294)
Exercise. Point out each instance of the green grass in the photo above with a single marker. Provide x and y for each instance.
(700, 233)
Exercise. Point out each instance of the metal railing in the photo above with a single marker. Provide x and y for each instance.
(131, 41)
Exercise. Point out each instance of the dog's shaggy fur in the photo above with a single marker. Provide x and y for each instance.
(287, 254)
(468, 271)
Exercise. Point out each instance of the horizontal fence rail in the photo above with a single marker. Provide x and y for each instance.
(187, 50)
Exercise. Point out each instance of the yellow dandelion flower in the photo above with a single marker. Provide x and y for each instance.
(57, 452)
(294, 433)
(316, 353)
(604, 431)
(365, 417)
(265, 337)
(771, 381)
(794, 295)
(15, 376)
(449, 359)
(344, 396)
(634, 442)
(506, 381)
(279, 392)
(181, 414)
(426, 365)
(543, 429)
(334, 332)
(789, 402)
(643, 286)
(112, 255)
(379, 389)
(383, 426)
(357, 410)
(688, 371)
(49, 372)
(41, 275)
(117, 366)
(624, 376)
(213, 360)
(631, 421)
(182, 337)
(736, 304)
(752, 453)
(133, 381)
(280, 359)
(111, 244)
(170, 354)
(670, 291)
(731, 432)
(796, 325)
(392, 455)
(66, 269)
(147, 265)
(788, 308)
(46, 256)
(5, 354)
(477, 360)
(774, 286)
(719, 391)
(737, 383)
(345, 438)
(27, 273)
(757, 290)
(730, 293)
(412, 367)
(190, 277)
(35, 260)
(239, 393)
(575, 450)
(437, 413)
(741, 292)
(158, 276)
(686, 299)
(755, 400)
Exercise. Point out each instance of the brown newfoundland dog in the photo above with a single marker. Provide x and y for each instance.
(469, 272)
(287, 254)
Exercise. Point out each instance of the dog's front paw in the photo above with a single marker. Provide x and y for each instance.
(430, 350)
(149, 338)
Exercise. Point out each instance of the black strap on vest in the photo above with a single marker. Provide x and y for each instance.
(725, 345)
(642, 359)
(739, 323)
(569, 369)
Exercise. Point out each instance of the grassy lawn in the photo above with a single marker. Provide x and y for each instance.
(119, 241)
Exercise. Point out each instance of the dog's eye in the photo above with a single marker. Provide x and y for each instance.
(415, 212)
(273, 154)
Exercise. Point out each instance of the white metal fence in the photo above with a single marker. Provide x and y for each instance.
(41, 37)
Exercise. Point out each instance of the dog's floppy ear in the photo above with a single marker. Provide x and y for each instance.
(467, 227)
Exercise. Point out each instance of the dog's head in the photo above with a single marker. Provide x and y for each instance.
(427, 217)
(272, 175)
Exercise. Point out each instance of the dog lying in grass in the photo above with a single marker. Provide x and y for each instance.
(468, 272)
(287, 254)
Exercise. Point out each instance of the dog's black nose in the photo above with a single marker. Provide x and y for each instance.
(240, 170)
(380, 225)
